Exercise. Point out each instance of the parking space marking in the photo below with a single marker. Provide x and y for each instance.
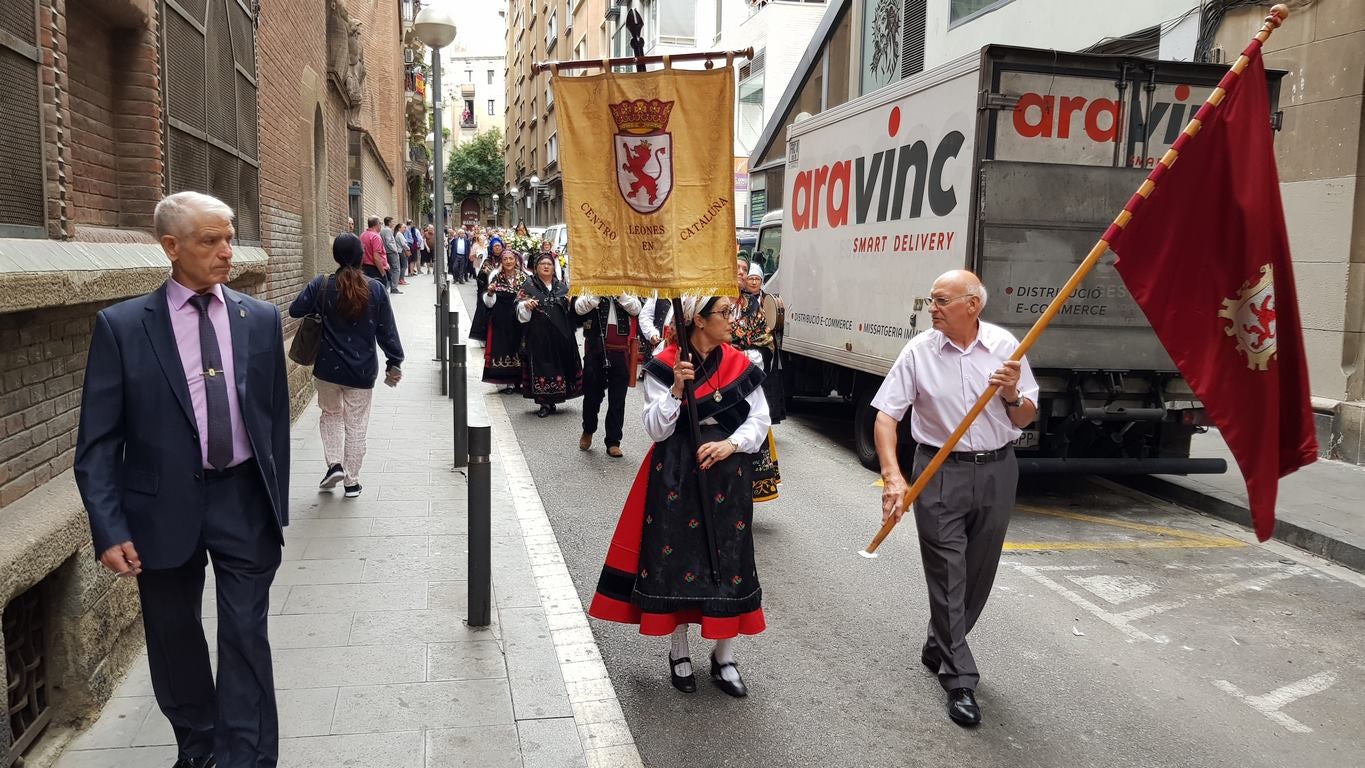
(1168, 538)
(1272, 703)
(1123, 621)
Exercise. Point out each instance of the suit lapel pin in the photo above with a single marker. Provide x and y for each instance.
(242, 312)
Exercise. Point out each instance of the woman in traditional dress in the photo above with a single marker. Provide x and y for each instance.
(502, 341)
(659, 571)
(492, 262)
(750, 334)
(552, 371)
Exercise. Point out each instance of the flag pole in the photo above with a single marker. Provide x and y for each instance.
(1272, 22)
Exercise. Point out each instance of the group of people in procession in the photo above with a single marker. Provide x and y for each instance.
(683, 549)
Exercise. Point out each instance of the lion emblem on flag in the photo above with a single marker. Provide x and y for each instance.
(644, 153)
(1250, 319)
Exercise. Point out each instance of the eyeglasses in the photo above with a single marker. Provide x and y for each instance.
(943, 301)
(725, 310)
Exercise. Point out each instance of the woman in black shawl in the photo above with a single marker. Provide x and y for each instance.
(552, 371)
(502, 344)
(478, 329)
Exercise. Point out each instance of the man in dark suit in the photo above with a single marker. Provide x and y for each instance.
(183, 456)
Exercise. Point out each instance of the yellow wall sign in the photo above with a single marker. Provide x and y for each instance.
(648, 181)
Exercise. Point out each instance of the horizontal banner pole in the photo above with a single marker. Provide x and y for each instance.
(639, 61)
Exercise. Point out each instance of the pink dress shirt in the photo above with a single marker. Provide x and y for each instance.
(185, 327)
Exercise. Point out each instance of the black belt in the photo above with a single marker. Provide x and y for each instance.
(235, 469)
(971, 457)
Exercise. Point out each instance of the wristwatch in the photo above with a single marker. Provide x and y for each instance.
(734, 442)
(1015, 403)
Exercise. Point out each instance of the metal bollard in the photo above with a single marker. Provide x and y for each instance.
(452, 326)
(459, 394)
(480, 525)
(442, 311)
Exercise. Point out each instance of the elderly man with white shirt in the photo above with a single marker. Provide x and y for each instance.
(963, 514)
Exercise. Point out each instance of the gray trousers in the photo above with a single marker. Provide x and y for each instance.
(962, 516)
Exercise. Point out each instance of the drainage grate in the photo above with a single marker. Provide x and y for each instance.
(26, 681)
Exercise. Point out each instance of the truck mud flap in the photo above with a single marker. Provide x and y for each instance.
(1171, 466)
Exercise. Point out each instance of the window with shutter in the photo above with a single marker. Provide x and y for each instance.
(209, 78)
(21, 142)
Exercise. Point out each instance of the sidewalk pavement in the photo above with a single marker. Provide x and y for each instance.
(1321, 507)
(374, 665)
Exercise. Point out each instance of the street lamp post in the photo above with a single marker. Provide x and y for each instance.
(435, 27)
(531, 199)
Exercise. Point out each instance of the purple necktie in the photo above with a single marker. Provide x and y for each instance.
(215, 387)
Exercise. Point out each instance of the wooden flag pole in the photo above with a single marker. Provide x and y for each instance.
(1272, 22)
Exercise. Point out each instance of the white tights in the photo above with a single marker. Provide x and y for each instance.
(724, 653)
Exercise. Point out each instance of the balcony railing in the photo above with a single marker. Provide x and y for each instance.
(468, 121)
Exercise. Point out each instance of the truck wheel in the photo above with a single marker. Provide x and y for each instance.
(864, 440)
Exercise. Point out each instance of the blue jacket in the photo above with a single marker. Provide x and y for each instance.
(347, 354)
(138, 462)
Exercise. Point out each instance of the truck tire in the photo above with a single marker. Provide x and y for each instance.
(864, 439)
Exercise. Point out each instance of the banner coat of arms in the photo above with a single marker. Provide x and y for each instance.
(648, 181)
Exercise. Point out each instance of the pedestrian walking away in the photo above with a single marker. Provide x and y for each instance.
(962, 516)
(356, 315)
(393, 254)
(611, 346)
(375, 261)
(678, 557)
(502, 344)
(551, 371)
(183, 456)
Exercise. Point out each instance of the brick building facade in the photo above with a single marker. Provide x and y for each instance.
(273, 106)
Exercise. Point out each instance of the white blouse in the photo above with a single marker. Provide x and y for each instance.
(661, 416)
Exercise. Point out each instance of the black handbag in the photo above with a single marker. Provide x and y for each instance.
(308, 336)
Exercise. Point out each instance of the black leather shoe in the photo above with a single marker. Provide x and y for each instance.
(544, 411)
(962, 707)
(196, 762)
(737, 689)
(685, 683)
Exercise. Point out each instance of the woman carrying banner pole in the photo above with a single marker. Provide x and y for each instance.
(677, 559)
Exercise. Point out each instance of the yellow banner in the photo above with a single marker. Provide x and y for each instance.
(649, 181)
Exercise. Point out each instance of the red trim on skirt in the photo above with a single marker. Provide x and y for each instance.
(624, 555)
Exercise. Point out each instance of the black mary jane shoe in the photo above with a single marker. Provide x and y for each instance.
(737, 689)
(685, 683)
(544, 411)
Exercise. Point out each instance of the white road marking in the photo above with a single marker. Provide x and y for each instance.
(1113, 589)
(1123, 621)
(1271, 703)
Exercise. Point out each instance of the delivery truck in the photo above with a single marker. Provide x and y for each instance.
(1009, 162)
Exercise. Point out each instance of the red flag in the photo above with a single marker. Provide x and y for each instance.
(1207, 258)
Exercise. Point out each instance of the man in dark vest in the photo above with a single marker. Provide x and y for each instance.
(610, 351)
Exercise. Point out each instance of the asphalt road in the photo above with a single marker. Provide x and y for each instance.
(1122, 631)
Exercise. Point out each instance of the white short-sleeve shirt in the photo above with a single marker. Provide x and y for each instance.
(942, 381)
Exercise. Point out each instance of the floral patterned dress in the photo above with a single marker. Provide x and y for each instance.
(502, 342)
(749, 330)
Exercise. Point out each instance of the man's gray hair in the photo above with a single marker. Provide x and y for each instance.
(175, 214)
(979, 291)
